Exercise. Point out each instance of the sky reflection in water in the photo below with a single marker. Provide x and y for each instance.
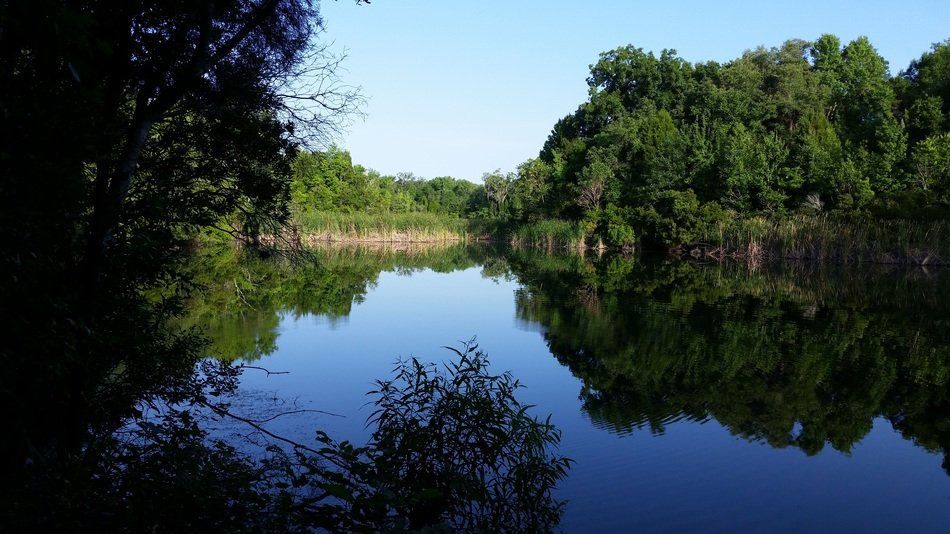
(683, 472)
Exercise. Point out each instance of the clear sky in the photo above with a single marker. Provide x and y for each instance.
(459, 88)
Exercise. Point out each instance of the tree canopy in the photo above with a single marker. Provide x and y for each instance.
(127, 128)
(662, 144)
(329, 181)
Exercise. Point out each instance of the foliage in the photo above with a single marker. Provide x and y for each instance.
(389, 227)
(453, 450)
(167, 118)
(660, 139)
(498, 188)
(612, 226)
(677, 218)
(328, 181)
(931, 167)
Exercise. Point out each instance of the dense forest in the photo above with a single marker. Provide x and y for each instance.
(664, 148)
(809, 127)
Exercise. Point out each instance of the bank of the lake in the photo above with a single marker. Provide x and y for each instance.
(826, 239)
(821, 238)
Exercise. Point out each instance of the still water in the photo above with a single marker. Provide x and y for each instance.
(713, 398)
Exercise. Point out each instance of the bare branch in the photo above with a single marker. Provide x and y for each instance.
(268, 371)
(225, 413)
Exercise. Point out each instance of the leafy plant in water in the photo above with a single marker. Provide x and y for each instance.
(453, 450)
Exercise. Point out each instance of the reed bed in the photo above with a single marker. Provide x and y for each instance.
(828, 239)
(321, 227)
(548, 234)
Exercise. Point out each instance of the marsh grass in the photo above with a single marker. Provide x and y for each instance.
(328, 227)
(317, 227)
(549, 234)
(827, 239)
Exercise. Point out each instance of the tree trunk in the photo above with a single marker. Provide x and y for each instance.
(111, 190)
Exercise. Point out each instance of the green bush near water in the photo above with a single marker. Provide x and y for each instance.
(453, 451)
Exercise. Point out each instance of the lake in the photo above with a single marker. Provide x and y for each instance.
(692, 397)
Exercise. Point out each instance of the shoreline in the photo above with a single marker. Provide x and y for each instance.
(753, 241)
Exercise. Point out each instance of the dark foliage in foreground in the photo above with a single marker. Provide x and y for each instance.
(453, 450)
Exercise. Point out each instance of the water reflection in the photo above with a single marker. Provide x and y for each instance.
(794, 356)
(242, 296)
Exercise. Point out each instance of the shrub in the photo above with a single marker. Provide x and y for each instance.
(676, 218)
(614, 227)
(452, 450)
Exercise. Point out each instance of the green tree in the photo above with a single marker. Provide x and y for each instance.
(498, 190)
(929, 80)
(532, 187)
(658, 161)
(931, 167)
(754, 172)
(167, 117)
(637, 77)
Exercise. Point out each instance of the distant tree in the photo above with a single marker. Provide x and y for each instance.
(931, 167)
(532, 187)
(497, 190)
(929, 80)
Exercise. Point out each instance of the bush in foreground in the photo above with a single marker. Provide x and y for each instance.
(453, 450)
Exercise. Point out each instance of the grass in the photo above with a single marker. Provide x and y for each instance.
(828, 239)
(802, 237)
(316, 227)
(549, 233)
(328, 227)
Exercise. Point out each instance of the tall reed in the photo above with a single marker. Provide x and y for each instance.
(379, 227)
(548, 233)
(825, 238)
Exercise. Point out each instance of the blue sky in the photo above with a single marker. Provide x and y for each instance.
(460, 88)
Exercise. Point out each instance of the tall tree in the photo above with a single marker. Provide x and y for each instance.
(928, 92)
(164, 117)
(498, 190)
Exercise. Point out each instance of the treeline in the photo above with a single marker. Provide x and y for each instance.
(328, 181)
(664, 148)
(667, 152)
